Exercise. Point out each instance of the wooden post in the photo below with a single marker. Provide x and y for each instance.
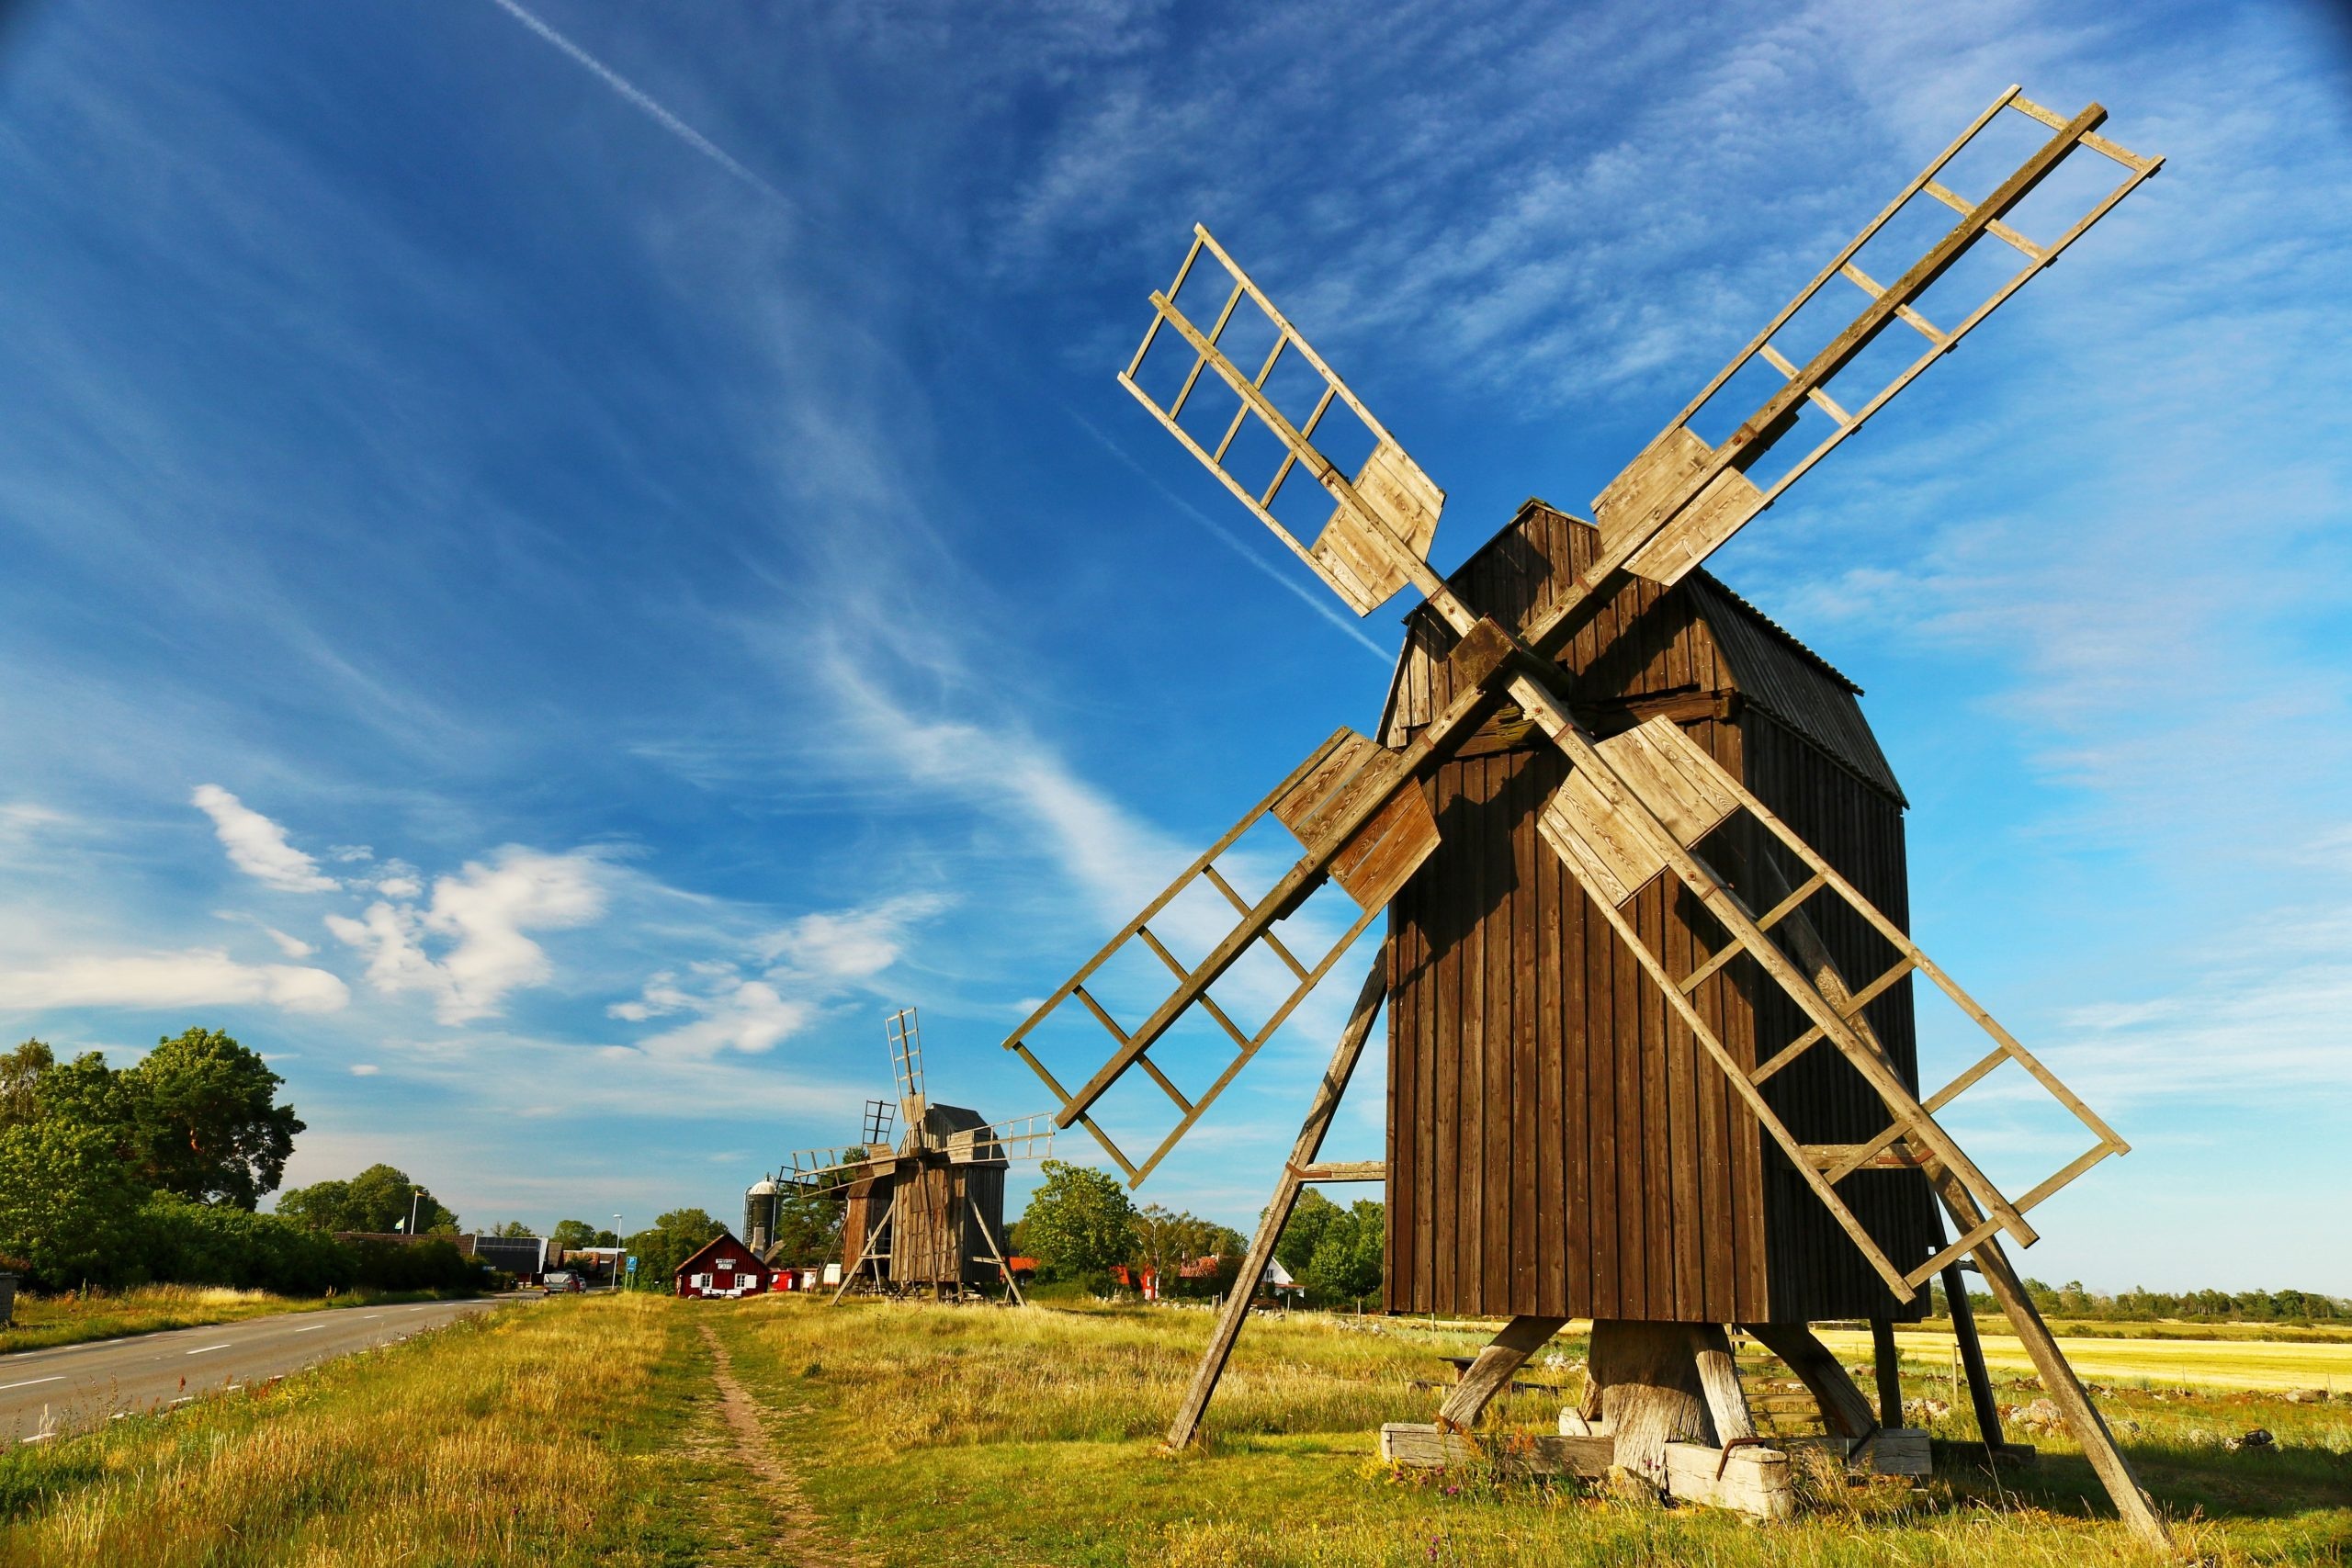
(1344, 1057)
(1888, 1363)
(1491, 1372)
(998, 1253)
(1651, 1393)
(1972, 1358)
(1843, 1407)
(873, 1238)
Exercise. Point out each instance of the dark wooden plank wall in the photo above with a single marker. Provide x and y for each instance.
(1558, 1144)
(1817, 1272)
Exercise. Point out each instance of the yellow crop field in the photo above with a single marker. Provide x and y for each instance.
(2201, 1363)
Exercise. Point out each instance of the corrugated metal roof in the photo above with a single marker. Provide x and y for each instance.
(1791, 682)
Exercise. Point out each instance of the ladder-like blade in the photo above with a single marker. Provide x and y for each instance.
(1017, 1137)
(806, 1167)
(1384, 514)
(1691, 795)
(1681, 497)
(906, 1065)
(1359, 810)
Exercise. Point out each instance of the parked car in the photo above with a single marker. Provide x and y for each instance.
(556, 1280)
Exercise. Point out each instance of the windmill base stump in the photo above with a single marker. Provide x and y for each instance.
(1752, 1479)
(1663, 1414)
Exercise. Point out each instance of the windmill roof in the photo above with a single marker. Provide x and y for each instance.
(1770, 666)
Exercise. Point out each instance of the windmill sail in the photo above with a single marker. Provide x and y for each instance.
(1682, 496)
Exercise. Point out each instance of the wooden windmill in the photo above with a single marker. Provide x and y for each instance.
(1648, 976)
(928, 1212)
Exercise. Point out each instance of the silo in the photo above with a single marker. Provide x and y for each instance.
(758, 1215)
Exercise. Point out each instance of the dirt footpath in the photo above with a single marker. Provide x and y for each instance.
(795, 1537)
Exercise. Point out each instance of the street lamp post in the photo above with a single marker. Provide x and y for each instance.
(415, 1192)
(620, 1251)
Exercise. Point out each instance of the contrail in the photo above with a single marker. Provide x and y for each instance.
(1314, 601)
(627, 89)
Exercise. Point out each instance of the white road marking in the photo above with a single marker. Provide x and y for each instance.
(29, 1382)
(183, 1399)
(207, 1349)
(39, 1438)
(313, 1329)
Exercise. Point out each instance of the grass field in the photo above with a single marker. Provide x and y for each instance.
(42, 1322)
(639, 1431)
(2242, 1363)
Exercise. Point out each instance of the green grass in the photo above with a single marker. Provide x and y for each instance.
(45, 1322)
(979, 1435)
(588, 1430)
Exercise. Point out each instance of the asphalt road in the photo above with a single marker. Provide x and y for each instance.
(77, 1386)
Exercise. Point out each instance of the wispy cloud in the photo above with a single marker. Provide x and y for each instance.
(190, 977)
(470, 947)
(643, 102)
(257, 846)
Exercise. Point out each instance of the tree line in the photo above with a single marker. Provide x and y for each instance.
(1081, 1225)
(2142, 1305)
(155, 1173)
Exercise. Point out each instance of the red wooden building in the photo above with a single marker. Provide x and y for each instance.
(722, 1268)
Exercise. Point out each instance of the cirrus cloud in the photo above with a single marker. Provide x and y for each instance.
(257, 846)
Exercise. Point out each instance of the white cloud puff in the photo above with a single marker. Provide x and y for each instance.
(190, 977)
(470, 946)
(257, 846)
(849, 944)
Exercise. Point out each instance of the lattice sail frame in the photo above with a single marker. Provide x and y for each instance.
(1687, 789)
(1681, 498)
(1388, 494)
(1370, 861)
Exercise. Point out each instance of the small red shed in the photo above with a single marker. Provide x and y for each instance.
(722, 1268)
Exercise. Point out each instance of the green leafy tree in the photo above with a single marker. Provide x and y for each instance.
(807, 1229)
(378, 1199)
(1166, 1240)
(1346, 1261)
(670, 1241)
(1079, 1224)
(207, 1118)
(1294, 1248)
(572, 1233)
(20, 1075)
(512, 1228)
(66, 1201)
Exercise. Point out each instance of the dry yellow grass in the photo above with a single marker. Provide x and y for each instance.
(492, 1442)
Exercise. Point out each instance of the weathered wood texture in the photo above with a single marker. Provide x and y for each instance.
(938, 1240)
(1559, 1147)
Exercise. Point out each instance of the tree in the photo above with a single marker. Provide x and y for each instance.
(1166, 1240)
(1294, 1248)
(20, 1075)
(807, 1229)
(66, 1201)
(572, 1234)
(511, 1227)
(1079, 1222)
(1346, 1261)
(209, 1121)
(670, 1241)
(378, 1199)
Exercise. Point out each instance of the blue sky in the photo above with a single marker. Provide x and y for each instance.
(555, 565)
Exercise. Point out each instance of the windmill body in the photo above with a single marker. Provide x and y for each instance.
(1557, 1147)
(924, 1213)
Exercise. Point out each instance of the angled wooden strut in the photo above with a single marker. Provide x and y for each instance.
(1296, 1172)
(873, 1239)
(996, 1252)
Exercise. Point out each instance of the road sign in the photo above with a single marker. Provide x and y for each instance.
(632, 1265)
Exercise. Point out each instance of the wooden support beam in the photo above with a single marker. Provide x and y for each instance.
(1425, 1447)
(1326, 1105)
(1344, 1170)
(1491, 1372)
(1750, 1480)
(1843, 1408)
(1972, 1358)
(1888, 1363)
